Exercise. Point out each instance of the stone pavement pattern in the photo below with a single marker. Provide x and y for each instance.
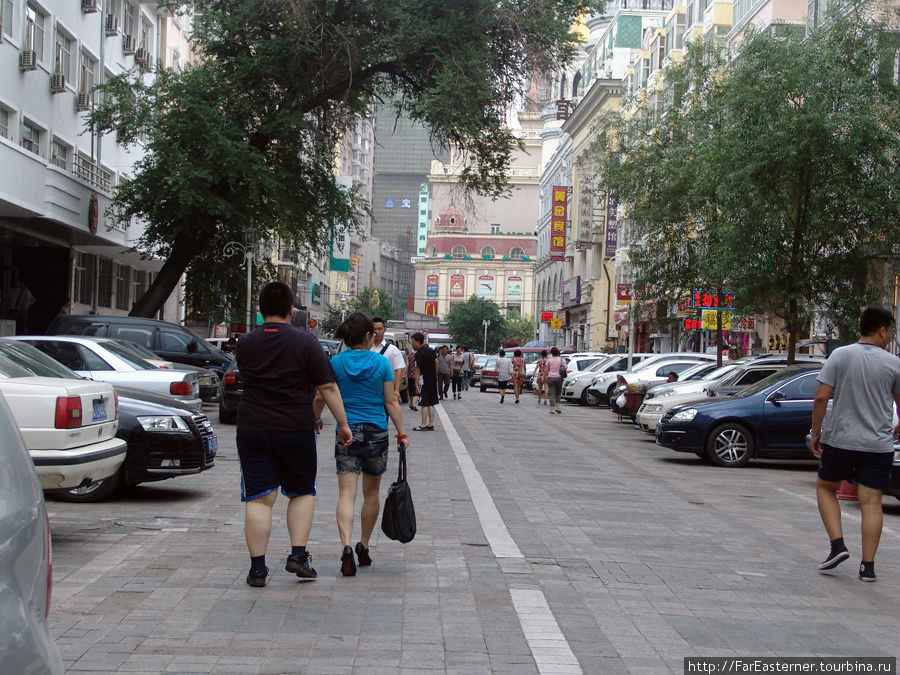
(643, 556)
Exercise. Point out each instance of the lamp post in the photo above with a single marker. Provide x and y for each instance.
(485, 323)
(343, 306)
(246, 249)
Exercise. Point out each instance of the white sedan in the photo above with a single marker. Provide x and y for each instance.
(103, 359)
(69, 426)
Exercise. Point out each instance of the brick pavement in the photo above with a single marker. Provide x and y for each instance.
(643, 556)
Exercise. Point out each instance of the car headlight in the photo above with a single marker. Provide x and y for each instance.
(684, 415)
(652, 407)
(163, 423)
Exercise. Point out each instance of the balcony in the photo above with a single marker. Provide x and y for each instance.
(88, 171)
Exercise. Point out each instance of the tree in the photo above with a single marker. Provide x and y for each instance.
(246, 137)
(373, 302)
(519, 328)
(465, 324)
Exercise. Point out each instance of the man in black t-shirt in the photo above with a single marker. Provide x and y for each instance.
(281, 368)
(427, 368)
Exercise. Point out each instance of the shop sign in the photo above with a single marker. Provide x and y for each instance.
(612, 227)
(431, 308)
(712, 300)
(486, 287)
(558, 216)
(585, 219)
(546, 317)
(514, 288)
(684, 304)
(623, 292)
(431, 285)
(457, 286)
(571, 292)
(693, 323)
(709, 320)
(743, 323)
(556, 324)
(621, 316)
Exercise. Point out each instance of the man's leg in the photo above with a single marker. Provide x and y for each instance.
(258, 523)
(300, 512)
(368, 514)
(872, 517)
(430, 416)
(347, 483)
(829, 507)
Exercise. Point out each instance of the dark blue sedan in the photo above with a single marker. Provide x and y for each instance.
(768, 419)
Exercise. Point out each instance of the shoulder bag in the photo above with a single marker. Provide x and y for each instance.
(398, 520)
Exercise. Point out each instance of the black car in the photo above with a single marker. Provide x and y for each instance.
(165, 437)
(767, 419)
(230, 391)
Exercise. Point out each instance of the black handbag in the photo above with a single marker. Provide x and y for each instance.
(398, 520)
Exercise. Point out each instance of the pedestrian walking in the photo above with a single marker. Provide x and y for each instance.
(856, 442)
(556, 372)
(281, 366)
(504, 374)
(366, 382)
(541, 378)
(518, 373)
(412, 385)
(456, 371)
(445, 360)
(468, 367)
(392, 352)
(427, 371)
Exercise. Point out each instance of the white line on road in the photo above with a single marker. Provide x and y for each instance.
(548, 645)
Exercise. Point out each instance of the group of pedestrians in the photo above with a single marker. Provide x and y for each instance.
(287, 382)
(454, 368)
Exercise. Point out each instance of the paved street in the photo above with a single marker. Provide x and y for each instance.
(554, 544)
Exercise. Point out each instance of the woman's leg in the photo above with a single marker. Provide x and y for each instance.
(368, 514)
(346, 498)
(517, 389)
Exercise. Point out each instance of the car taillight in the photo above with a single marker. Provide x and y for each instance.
(180, 388)
(68, 412)
(230, 377)
(49, 544)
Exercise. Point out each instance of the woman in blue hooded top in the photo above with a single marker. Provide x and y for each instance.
(366, 382)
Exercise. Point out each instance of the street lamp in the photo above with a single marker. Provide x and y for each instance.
(343, 306)
(485, 323)
(246, 249)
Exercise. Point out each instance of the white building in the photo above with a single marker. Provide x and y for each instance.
(56, 179)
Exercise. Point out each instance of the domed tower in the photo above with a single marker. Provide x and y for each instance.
(450, 219)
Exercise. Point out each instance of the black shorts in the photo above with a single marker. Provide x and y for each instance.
(871, 469)
(428, 396)
(273, 459)
(502, 384)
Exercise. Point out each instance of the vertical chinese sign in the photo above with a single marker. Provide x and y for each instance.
(457, 286)
(431, 285)
(558, 222)
(612, 228)
(585, 218)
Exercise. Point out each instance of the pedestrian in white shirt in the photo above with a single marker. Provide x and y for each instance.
(392, 352)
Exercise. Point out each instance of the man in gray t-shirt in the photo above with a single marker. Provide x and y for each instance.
(857, 442)
(504, 373)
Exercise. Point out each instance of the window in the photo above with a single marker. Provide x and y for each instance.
(31, 138)
(754, 376)
(105, 283)
(458, 252)
(801, 389)
(516, 253)
(495, 228)
(4, 122)
(6, 16)
(91, 360)
(59, 154)
(146, 35)
(138, 283)
(34, 37)
(65, 352)
(88, 73)
(128, 19)
(83, 286)
(488, 252)
(140, 336)
(63, 63)
(123, 277)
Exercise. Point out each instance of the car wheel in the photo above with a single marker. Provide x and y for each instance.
(730, 444)
(96, 492)
(610, 393)
(591, 397)
(226, 417)
(583, 400)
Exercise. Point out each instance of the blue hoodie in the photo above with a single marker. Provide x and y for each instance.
(361, 375)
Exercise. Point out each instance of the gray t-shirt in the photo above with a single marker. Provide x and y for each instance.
(444, 361)
(865, 379)
(504, 369)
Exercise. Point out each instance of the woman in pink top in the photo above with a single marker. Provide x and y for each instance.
(556, 373)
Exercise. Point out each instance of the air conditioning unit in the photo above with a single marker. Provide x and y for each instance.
(57, 83)
(27, 59)
(89, 6)
(112, 24)
(141, 56)
(128, 44)
(83, 102)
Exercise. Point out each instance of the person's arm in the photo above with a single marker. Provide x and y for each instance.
(820, 404)
(897, 405)
(437, 368)
(318, 407)
(332, 397)
(393, 409)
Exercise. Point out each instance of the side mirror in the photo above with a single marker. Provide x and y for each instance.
(192, 347)
(777, 397)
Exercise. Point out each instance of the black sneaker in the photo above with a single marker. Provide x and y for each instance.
(348, 563)
(834, 559)
(363, 554)
(867, 571)
(257, 578)
(301, 567)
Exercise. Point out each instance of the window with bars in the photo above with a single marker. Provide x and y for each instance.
(105, 282)
(516, 253)
(88, 73)
(83, 278)
(123, 287)
(138, 283)
(31, 138)
(4, 122)
(129, 19)
(63, 64)
(59, 154)
(35, 24)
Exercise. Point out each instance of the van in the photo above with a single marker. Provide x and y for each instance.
(168, 340)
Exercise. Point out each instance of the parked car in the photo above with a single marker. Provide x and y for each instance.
(168, 340)
(604, 386)
(69, 425)
(489, 374)
(767, 419)
(576, 362)
(26, 564)
(576, 386)
(331, 347)
(477, 365)
(165, 438)
(659, 372)
(104, 360)
(230, 392)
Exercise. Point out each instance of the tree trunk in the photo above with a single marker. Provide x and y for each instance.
(149, 304)
(791, 323)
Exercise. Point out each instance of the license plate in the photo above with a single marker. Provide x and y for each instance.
(99, 410)
(213, 445)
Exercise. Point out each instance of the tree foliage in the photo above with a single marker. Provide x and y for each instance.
(246, 137)
(465, 324)
(373, 302)
(519, 328)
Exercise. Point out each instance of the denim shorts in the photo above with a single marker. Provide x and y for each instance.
(367, 453)
(872, 469)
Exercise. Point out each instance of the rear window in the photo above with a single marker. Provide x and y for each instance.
(10, 369)
(34, 360)
(138, 334)
(76, 327)
(128, 357)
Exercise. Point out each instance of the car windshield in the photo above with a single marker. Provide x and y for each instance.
(127, 356)
(34, 361)
(138, 350)
(10, 369)
(531, 357)
(490, 364)
(773, 379)
(696, 372)
(718, 373)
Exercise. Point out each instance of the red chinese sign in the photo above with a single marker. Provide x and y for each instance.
(563, 109)
(706, 300)
(558, 212)
(546, 317)
(693, 323)
(623, 292)
(743, 323)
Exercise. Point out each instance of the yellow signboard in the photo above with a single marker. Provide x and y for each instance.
(556, 323)
(709, 320)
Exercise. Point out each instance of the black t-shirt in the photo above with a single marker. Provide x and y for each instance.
(279, 367)
(425, 360)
